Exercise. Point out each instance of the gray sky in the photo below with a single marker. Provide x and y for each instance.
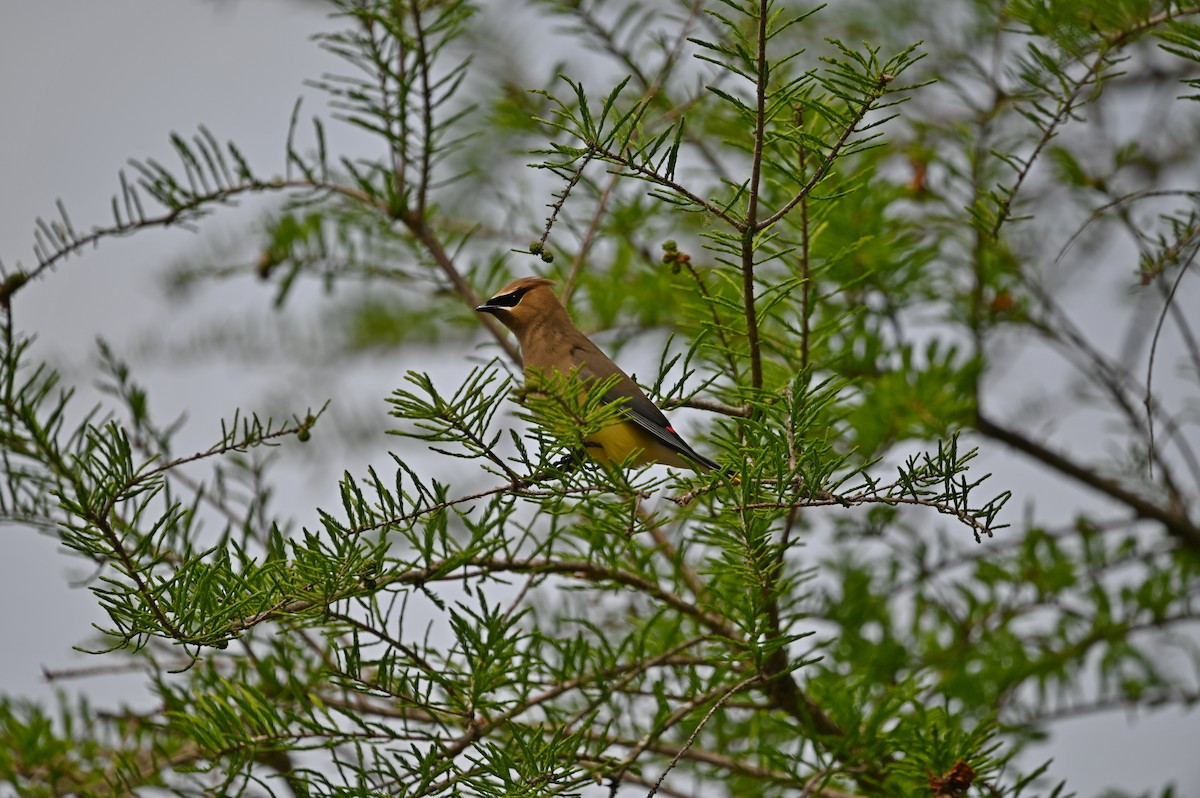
(86, 85)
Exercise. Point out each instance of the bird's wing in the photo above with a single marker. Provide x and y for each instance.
(594, 364)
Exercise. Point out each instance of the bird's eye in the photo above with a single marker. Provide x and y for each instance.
(508, 300)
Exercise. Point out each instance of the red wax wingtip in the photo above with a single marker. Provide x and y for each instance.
(671, 430)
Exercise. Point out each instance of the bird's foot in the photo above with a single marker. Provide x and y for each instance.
(570, 461)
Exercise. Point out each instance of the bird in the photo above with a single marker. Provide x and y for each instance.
(551, 345)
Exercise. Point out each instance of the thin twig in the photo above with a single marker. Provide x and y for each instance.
(589, 236)
(670, 553)
(712, 406)
(737, 688)
(423, 67)
(805, 255)
(719, 694)
(719, 326)
(1176, 522)
(762, 77)
(1148, 401)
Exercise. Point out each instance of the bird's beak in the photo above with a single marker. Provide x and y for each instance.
(486, 308)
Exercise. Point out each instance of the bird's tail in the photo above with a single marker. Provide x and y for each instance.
(704, 465)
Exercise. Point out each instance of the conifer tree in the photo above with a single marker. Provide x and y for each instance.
(831, 259)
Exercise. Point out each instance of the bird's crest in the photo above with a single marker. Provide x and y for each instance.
(511, 294)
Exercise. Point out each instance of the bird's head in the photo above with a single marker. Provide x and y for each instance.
(523, 302)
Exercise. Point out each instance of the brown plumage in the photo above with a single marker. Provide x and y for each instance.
(551, 344)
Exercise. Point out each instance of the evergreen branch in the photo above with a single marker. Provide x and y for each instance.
(133, 570)
(471, 568)
(597, 573)
(872, 496)
(827, 162)
(560, 199)
(91, 475)
(1067, 103)
(57, 242)
(647, 172)
(301, 429)
(52, 250)
(100, 516)
(936, 483)
(420, 662)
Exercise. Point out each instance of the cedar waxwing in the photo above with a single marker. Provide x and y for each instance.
(551, 344)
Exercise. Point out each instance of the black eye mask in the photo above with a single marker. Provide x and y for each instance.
(509, 300)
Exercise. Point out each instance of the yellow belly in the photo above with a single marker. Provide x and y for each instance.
(613, 444)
